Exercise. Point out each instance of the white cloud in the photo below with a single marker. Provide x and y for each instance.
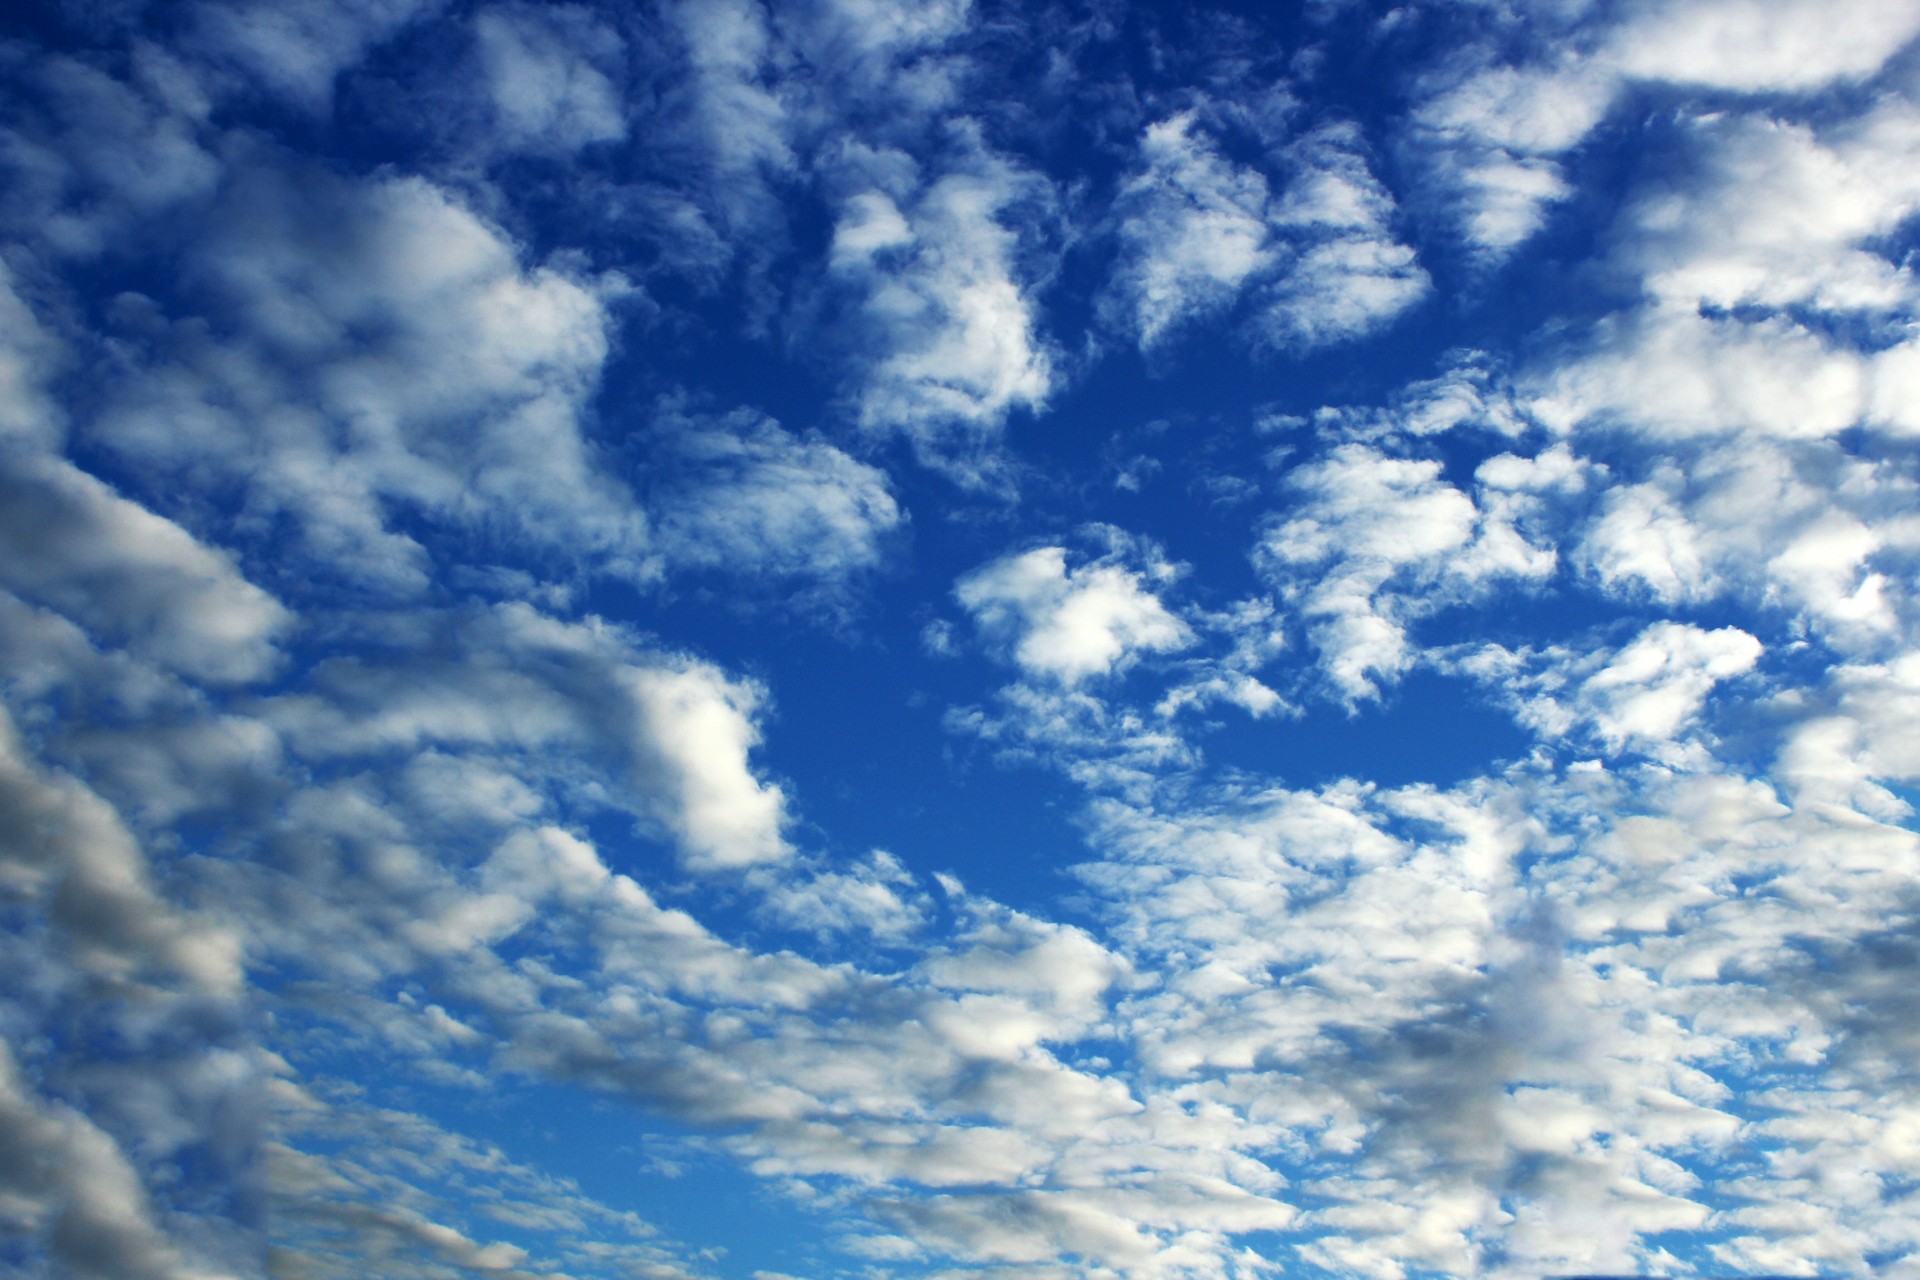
(390, 357)
(1069, 625)
(1347, 272)
(1795, 525)
(1779, 214)
(740, 493)
(68, 541)
(297, 49)
(68, 1179)
(1193, 229)
(1490, 142)
(877, 897)
(97, 159)
(547, 92)
(1760, 45)
(29, 354)
(1643, 540)
(742, 125)
(1646, 696)
(1342, 288)
(671, 734)
(1557, 1020)
(1845, 752)
(1197, 230)
(1492, 136)
(696, 728)
(943, 335)
(352, 1185)
(69, 847)
(1672, 373)
(1377, 541)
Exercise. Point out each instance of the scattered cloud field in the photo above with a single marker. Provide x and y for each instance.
(999, 639)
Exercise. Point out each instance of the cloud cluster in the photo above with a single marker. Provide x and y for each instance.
(1376, 541)
(942, 318)
(1197, 230)
(1494, 133)
(391, 503)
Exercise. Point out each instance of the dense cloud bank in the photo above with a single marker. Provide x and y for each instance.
(840, 639)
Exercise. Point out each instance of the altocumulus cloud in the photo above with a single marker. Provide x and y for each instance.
(579, 696)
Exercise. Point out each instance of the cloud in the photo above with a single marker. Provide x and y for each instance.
(1858, 738)
(1492, 134)
(675, 732)
(68, 1179)
(396, 359)
(92, 160)
(1069, 625)
(68, 541)
(741, 493)
(1490, 140)
(1445, 1010)
(68, 847)
(1377, 541)
(29, 355)
(742, 127)
(1646, 696)
(1193, 229)
(1197, 230)
(359, 789)
(1761, 520)
(1347, 273)
(295, 51)
(1812, 206)
(698, 728)
(1751, 46)
(942, 332)
(547, 93)
(351, 1185)
(1698, 375)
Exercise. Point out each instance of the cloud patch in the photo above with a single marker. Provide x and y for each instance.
(1070, 625)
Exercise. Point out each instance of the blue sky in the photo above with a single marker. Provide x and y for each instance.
(840, 640)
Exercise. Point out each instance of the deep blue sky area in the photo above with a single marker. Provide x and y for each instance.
(959, 639)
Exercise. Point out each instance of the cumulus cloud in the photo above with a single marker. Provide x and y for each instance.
(743, 494)
(69, 847)
(1347, 272)
(353, 1184)
(353, 798)
(397, 359)
(1193, 229)
(72, 543)
(696, 730)
(677, 732)
(1761, 521)
(92, 158)
(942, 328)
(294, 51)
(1377, 541)
(1657, 684)
(1646, 695)
(29, 354)
(1756, 47)
(1069, 625)
(1491, 142)
(1493, 134)
(547, 93)
(1197, 230)
(67, 1179)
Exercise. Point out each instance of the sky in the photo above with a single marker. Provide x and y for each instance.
(959, 639)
